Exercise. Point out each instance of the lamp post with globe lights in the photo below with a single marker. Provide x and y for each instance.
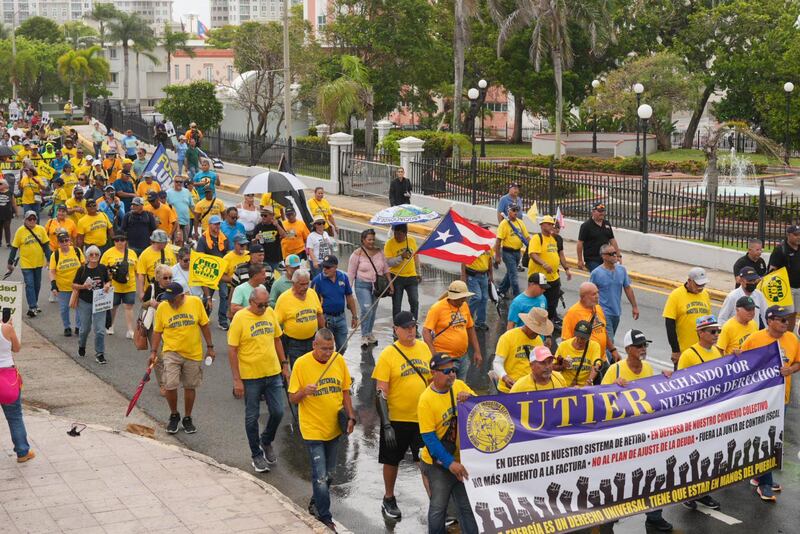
(473, 95)
(788, 87)
(483, 85)
(638, 89)
(595, 85)
(644, 112)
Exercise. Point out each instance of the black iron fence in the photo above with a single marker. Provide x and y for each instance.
(680, 209)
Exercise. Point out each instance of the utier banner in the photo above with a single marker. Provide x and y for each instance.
(206, 270)
(161, 168)
(560, 460)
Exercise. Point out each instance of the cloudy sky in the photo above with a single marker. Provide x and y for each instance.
(198, 7)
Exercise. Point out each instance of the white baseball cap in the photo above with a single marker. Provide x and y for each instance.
(698, 276)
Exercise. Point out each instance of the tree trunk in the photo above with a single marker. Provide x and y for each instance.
(712, 183)
(138, 90)
(125, 69)
(519, 110)
(71, 92)
(169, 68)
(697, 114)
(83, 95)
(557, 69)
(368, 127)
(459, 38)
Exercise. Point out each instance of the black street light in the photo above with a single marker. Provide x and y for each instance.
(482, 87)
(638, 89)
(595, 85)
(644, 112)
(788, 87)
(473, 95)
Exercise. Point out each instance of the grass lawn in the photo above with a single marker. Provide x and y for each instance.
(506, 150)
(685, 154)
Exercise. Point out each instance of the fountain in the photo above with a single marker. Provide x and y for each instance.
(736, 177)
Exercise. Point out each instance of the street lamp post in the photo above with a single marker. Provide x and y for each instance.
(482, 87)
(473, 95)
(788, 87)
(644, 112)
(638, 89)
(595, 85)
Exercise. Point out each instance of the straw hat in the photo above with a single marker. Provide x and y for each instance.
(537, 320)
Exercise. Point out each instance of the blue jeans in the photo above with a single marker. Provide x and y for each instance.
(409, 284)
(294, 348)
(365, 301)
(323, 464)
(271, 387)
(191, 170)
(510, 281)
(338, 325)
(36, 206)
(63, 308)
(593, 264)
(222, 312)
(33, 283)
(88, 320)
(16, 426)
(478, 284)
(180, 165)
(443, 485)
(462, 365)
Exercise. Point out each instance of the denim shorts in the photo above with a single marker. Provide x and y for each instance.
(124, 298)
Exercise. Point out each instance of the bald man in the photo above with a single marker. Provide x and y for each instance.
(588, 309)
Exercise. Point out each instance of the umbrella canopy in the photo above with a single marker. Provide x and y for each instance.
(6, 152)
(404, 213)
(139, 388)
(271, 182)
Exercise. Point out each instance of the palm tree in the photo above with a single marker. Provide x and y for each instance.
(79, 34)
(98, 68)
(464, 10)
(126, 29)
(172, 42)
(551, 20)
(103, 14)
(72, 68)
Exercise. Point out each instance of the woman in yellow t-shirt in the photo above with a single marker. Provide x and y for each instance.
(31, 187)
(124, 293)
(30, 241)
(65, 261)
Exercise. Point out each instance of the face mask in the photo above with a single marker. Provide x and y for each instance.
(750, 287)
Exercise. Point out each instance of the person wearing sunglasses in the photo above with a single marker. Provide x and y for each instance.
(684, 306)
(593, 234)
(778, 321)
(123, 280)
(611, 278)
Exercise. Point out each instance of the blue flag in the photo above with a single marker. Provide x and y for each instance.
(161, 168)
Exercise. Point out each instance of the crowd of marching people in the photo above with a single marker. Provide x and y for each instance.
(99, 221)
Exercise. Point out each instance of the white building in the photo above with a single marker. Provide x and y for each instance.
(237, 11)
(145, 85)
(154, 12)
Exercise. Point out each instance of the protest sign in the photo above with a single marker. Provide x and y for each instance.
(46, 117)
(560, 460)
(169, 128)
(11, 299)
(102, 300)
(776, 288)
(161, 168)
(206, 270)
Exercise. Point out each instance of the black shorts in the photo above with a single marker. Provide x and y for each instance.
(407, 436)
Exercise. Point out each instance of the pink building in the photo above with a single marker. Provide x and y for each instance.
(208, 64)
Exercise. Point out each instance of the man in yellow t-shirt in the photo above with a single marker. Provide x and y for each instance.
(158, 252)
(321, 389)
(682, 309)
(165, 215)
(402, 373)
(65, 261)
(147, 186)
(512, 354)
(449, 328)
(579, 370)
(76, 206)
(544, 258)
(299, 312)
(259, 368)
(207, 208)
(512, 238)
(179, 321)
(294, 242)
(30, 240)
(94, 228)
(124, 293)
(738, 328)
(705, 349)
(61, 223)
(399, 252)
(320, 208)
(588, 309)
(542, 376)
(443, 469)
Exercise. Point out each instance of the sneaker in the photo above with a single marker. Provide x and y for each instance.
(174, 421)
(372, 340)
(31, 313)
(660, 524)
(691, 505)
(22, 459)
(766, 494)
(259, 463)
(77, 331)
(52, 297)
(188, 426)
(709, 502)
(223, 327)
(100, 358)
(312, 507)
(68, 332)
(37, 310)
(364, 342)
(330, 524)
(390, 509)
(81, 351)
(269, 454)
(110, 331)
(777, 488)
(129, 334)
(449, 521)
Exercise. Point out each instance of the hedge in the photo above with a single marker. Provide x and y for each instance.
(436, 144)
(631, 165)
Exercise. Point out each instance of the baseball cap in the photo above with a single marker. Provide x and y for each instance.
(172, 291)
(539, 279)
(636, 338)
(330, 261)
(749, 274)
(405, 319)
(240, 239)
(583, 329)
(793, 229)
(137, 201)
(290, 211)
(214, 219)
(513, 184)
(31, 213)
(108, 188)
(319, 221)
(292, 260)
(705, 321)
(89, 158)
(439, 360)
(159, 236)
(97, 163)
(513, 207)
(255, 248)
(698, 276)
(547, 219)
(458, 290)
(62, 235)
(152, 195)
(536, 319)
(110, 134)
(91, 202)
(540, 353)
(778, 311)
(128, 161)
(145, 174)
(119, 236)
(599, 206)
(746, 302)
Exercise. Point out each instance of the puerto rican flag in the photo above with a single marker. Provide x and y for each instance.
(456, 239)
(202, 30)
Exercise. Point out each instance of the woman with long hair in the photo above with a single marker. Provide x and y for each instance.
(366, 265)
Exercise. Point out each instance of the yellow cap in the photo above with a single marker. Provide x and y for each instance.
(127, 161)
(547, 219)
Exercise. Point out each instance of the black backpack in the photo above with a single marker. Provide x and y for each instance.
(120, 272)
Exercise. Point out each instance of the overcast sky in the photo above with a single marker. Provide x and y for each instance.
(198, 7)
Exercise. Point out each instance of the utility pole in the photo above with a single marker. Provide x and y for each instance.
(287, 83)
(14, 50)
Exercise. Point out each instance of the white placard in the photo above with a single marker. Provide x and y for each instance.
(11, 298)
(170, 128)
(102, 300)
(46, 117)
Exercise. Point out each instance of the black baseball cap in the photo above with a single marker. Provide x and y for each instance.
(583, 330)
(330, 261)
(405, 319)
(793, 229)
(440, 359)
(746, 302)
(172, 291)
(749, 274)
(635, 338)
(778, 311)
(255, 248)
(599, 206)
(539, 279)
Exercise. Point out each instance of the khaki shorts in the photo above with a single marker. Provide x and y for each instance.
(179, 370)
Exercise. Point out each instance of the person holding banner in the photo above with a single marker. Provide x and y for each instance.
(542, 376)
(89, 278)
(512, 238)
(215, 243)
(684, 306)
(512, 354)
(786, 255)
(579, 358)
(438, 426)
(588, 309)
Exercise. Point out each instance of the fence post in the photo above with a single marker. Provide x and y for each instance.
(410, 152)
(551, 188)
(339, 142)
(762, 212)
(383, 126)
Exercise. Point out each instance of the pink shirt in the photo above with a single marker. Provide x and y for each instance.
(359, 267)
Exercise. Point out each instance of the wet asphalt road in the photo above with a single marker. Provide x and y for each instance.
(359, 485)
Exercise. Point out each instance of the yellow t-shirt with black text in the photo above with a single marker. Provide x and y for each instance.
(180, 328)
(70, 181)
(149, 259)
(209, 208)
(392, 249)
(77, 215)
(318, 413)
(112, 257)
(566, 349)
(695, 355)
(526, 383)
(547, 249)
(31, 253)
(320, 209)
(734, 334)
(68, 264)
(255, 335)
(508, 237)
(30, 187)
(621, 369)
(515, 347)
(449, 326)
(298, 317)
(405, 385)
(54, 226)
(94, 229)
(436, 412)
(685, 308)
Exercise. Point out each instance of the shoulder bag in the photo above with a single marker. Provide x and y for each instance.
(10, 384)
(419, 373)
(380, 288)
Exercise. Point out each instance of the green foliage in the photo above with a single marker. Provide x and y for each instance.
(194, 102)
(35, 69)
(360, 137)
(40, 29)
(312, 131)
(437, 144)
(103, 14)
(222, 37)
(311, 141)
(79, 34)
(628, 166)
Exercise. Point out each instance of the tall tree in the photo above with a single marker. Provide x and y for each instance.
(98, 69)
(350, 93)
(79, 35)
(40, 29)
(36, 66)
(127, 28)
(103, 14)
(222, 37)
(72, 69)
(196, 102)
(172, 42)
(463, 11)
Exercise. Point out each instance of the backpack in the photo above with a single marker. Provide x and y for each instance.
(120, 273)
(77, 250)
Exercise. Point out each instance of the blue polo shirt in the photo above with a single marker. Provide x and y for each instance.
(125, 187)
(332, 293)
(522, 303)
(230, 231)
(505, 202)
(611, 284)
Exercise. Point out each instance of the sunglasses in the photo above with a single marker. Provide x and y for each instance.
(166, 277)
(713, 331)
(119, 240)
(262, 306)
(610, 254)
(446, 371)
(781, 319)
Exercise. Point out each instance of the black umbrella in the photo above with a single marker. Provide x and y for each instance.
(6, 152)
(271, 182)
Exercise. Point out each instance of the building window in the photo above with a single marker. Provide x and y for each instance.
(112, 53)
(177, 71)
(230, 73)
(188, 71)
(497, 107)
(114, 78)
(209, 71)
(321, 21)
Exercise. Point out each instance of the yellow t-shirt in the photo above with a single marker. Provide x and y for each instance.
(296, 235)
(150, 257)
(318, 412)
(576, 313)
(60, 197)
(233, 260)
(68, 264)
(788, 345)
(76, 216)
(320, 209)
(70, 181)
(201, 206)
(567, 350)
(405, 385)
(298, 317)
(112, 257)
(695, 355)
(94, 229)
(508, 237)
(515, 347)
(392, 248)
(180, 327)
(685, 308)
(165, 215)
(144, 188)
(30, 188)
(547, 249)
(449, 325)
(481, 263)
(54, 226)
(80, 166)
(621, 369)
(526, 383)
(255, 336)
(31, 254)
(69, 152)
(436, 411)
(277, 207)
(734, 334)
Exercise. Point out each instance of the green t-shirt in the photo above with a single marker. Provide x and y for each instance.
(278, 288)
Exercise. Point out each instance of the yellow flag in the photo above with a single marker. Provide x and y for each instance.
(206, 270)
(533, 212)
(44, 170)
(775, 286)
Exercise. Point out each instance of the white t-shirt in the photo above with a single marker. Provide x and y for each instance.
(182, 277)
(320, 244)
(248, 218)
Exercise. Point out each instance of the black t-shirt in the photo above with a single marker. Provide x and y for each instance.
(5, 206)
(99, 276)
(760, 266)
(138, 227)
(213, 248)
(594, 236)
(778, 259)
(267, 235)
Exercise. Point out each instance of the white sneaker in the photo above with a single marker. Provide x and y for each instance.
(129, 334)
(52, 297)
(110, 331)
